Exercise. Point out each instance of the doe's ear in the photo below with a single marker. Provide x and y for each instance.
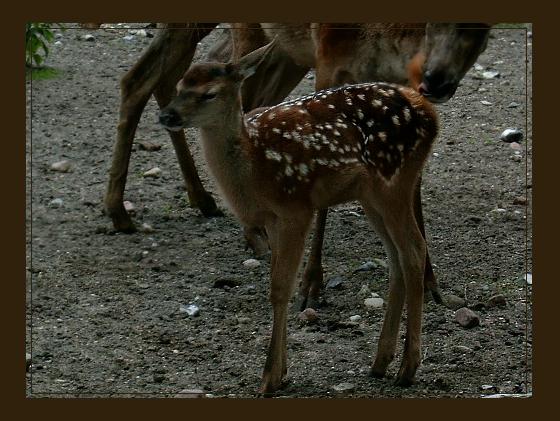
(249, 63)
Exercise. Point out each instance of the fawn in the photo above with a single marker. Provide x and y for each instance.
(365, 142)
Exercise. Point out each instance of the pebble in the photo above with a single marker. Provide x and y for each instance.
(490, 74)
(251, 263)
(57, 43)
(513, 104)
(497, 301)
(454, 302)
(129, 206)
(529, 279)
(147, 228)
(191, 393)
(462, 349)
(56, 203)
(367, 266)
(27, 361)
(355, 318)
(154, 172)
(484, 102)
(520, 201)
(88, 37)
(149, 146)
(511, 135)
(335, 282)
(61, 166)
(128, 38)
(467, 318)
(308, 315)
(488, 387)
(344, 387)
(515, 146)
(364, 292)
(191, 309)
(478, 67)
(373, 302)
(142, 33)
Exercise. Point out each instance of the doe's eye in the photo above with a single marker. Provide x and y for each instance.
(207, 97)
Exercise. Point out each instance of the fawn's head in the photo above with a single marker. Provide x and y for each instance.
(209, 91)
(451, 50)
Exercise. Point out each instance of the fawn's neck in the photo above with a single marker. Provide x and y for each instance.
(222, 145)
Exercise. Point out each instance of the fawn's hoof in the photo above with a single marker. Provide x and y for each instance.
(378, 373)
(121, 220)
(404, 381)
(306, 301)
(207, 205)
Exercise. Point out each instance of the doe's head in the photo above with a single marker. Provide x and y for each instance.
(208, 90)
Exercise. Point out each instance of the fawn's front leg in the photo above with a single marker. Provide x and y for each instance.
(287, 241)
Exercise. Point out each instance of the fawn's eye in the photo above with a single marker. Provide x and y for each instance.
(207, 97)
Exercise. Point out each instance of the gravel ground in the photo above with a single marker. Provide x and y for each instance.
(106, 310)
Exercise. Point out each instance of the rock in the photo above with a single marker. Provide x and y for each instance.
(454, 302)
(488, 387)
(335, 282)
(308, 315)
(61, 166)
(511, 135)
(367, 266)
(191, 309)
(478, 67)
(142, 33)
(148, 146)
(56, 203)
(529, 278)
(364, 292)
(462, 349)
(497, 301)
(88, 37)
(154, 173)
(129, 207)
(490, 74)
(484, 102)
(147, 228)
(251, 263)
(515, 146)
(355, 318)
(520, 201)
(27, 361)
(467, 318)
(191, 393)
(57, 43)
(513, 104)
(373, 303)
(344, 388)
(129, 38)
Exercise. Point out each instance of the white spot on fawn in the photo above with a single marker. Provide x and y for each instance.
(273, 155)
(396, 121)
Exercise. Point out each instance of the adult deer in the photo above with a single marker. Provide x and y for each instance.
(365, 142)
(340, 53)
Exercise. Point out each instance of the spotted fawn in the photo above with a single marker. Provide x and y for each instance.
(275, 167)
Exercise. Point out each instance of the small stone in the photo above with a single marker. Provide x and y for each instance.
(367, 266)
(478, 67)
(191, 393)
(57, 43)
(191, 309)
(147, 228)
(520, 201)
(529, 34)
(462, 349)
(484, 102)
(27, 361)
(355, 318)
(148, 146)
(529, 278)
(373, 303)
(154, 172)
(497, 301)
(88, 37)
(335, 282)
(56, 203)
(490, 74)
(515, 146)
(511, 135)
(454, 302)
(129, 38)
(61, 166)
(310, 75)
(488, 387)
(142, 33)
(364, 292)
(129, 207)
(513, 104)
(344, 388)
(308, 315)
(251, 263)
(467, 318)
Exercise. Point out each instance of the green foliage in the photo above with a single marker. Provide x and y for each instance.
(37, 38)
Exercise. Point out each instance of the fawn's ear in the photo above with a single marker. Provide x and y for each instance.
(249, 63)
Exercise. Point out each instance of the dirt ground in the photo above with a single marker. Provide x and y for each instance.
(105, 309)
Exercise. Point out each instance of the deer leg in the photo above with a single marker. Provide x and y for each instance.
(312, 279)
(389, 332)
(287, 240)
(170, 49)
(430, 281)
(411, 248)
